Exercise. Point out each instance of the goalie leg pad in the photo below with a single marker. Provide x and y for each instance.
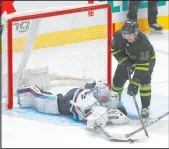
(31, 96)
(24, 97)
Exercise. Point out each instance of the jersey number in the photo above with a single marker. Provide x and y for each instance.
(144, 55)
(83, 96)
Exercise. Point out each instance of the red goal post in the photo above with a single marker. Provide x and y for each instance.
(10, 19)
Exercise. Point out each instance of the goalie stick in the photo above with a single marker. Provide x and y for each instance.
(125, 137)
(105, 133)
(113, 137)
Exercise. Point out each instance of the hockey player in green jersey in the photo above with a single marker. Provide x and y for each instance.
(135, 56)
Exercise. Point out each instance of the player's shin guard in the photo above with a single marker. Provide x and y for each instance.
(145, 94)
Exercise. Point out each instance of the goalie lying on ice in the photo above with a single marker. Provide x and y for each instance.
(95, 103)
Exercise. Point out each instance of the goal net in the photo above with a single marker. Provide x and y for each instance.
(68, 46)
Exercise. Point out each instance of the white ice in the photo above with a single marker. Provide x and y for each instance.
(20, 132)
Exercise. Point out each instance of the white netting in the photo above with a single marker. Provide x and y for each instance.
(73, 46)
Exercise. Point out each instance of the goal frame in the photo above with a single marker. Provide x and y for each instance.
(50, 14)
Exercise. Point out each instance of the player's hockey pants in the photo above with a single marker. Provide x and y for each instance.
(64, 102)
(121, 76)
(152, 10)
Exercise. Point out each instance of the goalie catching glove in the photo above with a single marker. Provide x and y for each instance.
(116, 117)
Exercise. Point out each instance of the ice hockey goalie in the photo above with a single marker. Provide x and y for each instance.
(95, 103)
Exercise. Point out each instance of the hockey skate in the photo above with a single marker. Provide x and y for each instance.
(145, 113)
(156, 28)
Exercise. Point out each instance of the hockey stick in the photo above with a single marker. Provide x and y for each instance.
(114, 138)
(105, 133)
(137, 107)
(125, 137)
(146, 125)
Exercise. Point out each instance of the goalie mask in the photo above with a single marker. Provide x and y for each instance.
(101, 91)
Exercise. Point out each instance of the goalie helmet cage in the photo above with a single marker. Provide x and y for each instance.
(9, 39)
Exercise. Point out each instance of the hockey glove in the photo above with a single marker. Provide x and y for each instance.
(128, 65)
(133, 88)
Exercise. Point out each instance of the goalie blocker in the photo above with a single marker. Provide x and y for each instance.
(95, 103)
